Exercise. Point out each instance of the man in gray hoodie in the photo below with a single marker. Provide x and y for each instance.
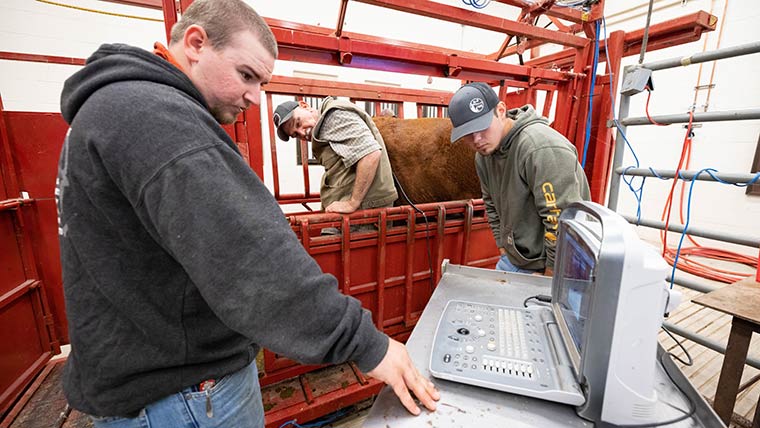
(178, 265)
(528, 174)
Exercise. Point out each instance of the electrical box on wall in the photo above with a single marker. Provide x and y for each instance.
(635, 80)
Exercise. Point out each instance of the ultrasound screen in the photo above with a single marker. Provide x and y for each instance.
(577, 268)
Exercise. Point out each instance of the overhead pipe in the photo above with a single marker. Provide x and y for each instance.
(729, 52)
(716, 116)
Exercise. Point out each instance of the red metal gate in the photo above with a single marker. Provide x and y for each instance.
(27, 340)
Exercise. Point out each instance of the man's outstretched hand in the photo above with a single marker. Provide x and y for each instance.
(396, 370)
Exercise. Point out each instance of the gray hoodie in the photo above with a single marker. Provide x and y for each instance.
(526, 182)
(177, 262)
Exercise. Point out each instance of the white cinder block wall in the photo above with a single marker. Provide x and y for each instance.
(30, 26)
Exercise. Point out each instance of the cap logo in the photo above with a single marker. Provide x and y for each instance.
(276, 119)
(476, 105)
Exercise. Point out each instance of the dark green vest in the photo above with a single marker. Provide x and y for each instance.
(338, 181)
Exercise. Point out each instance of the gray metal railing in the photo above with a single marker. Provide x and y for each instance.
(637, 82)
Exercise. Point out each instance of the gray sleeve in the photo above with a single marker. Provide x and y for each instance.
(349, 136)
(219, 221)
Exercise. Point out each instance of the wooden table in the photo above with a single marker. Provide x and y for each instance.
(741, 300)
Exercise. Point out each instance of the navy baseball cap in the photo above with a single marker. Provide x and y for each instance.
(471, 109)
(282, 114)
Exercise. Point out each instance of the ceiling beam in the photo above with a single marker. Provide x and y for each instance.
(299, 42)
(479, 20)
(685, 29)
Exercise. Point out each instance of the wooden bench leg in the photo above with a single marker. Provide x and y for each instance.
(733, 366)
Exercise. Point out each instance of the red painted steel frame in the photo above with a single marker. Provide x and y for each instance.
(674, 32)
(455, 227)
(28, 336)
(479, 20)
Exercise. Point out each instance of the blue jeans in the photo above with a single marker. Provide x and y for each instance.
(235, 400)
(505, 265)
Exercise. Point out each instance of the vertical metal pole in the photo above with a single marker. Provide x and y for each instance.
(617, 160)
(170, 17)
(273, 151)
(411, 229)
(382, 234)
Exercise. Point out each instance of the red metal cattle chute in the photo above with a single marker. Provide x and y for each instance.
(394, 278)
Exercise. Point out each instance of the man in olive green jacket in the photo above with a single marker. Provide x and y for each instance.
(528, 174)
(347, 143)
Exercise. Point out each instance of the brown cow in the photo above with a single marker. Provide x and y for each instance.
(428, 166)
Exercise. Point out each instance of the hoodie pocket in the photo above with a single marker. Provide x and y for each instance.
(519, 260)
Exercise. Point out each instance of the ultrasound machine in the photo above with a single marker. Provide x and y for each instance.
(593, 346)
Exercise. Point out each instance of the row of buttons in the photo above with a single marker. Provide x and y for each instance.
(520, 369)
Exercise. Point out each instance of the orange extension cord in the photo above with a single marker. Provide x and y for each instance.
(686, 261)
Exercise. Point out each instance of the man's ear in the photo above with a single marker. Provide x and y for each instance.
(501, 109)
(194, 40)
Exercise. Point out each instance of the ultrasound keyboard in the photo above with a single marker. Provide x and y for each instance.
(503, 348)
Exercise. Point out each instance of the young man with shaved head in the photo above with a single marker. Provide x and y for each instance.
(178, 265)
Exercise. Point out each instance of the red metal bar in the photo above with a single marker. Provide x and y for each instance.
(17, 292)
(170, 17)
(283, 368)
(381, 241)
(306, 389)
(467, 231)
(453, 206)
(305, 235)
(17, 56)
(18, 406)
(439, 248)
(359, 375)
(560, 26)
(273, 150)
(11, 204)
(293, 86)
(579, 109)
(254, 141)
(184, 4)
(299, 42)
(324, 404)
(601, 145)
(54, 343)
(478, 20)
(297, 198)
(500, 53)
(411, 228)
(345, 250)
(548, 103)
(304, 165)
(565, 13)
(341, 17)
(7, 168)
(676, 31)
(585, 63)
